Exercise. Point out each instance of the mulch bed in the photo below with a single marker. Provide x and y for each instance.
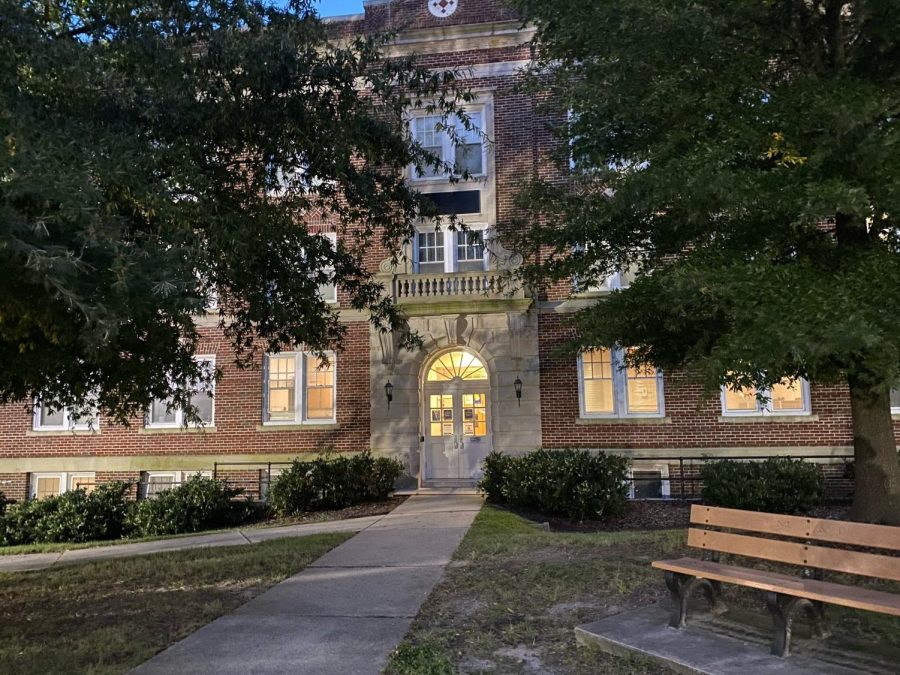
(358, 511)
(650, 515)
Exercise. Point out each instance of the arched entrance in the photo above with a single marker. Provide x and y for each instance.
(456, 424)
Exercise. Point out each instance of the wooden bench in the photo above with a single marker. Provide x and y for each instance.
(793, 540)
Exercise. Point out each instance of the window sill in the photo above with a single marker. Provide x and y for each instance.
(308, 426)
(62, 432)
(177, 430)
(591, 421)
(762, 419)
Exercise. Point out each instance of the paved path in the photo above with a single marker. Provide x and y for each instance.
(344, 613)
(38, 561)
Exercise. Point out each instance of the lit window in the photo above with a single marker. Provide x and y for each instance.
(457, 365)
(789, 397)
(163, 414)
(300, 388)
(445, 250)
(83, 481)
(47, 485)
(465, 153)
(608, 388)
(63, 419)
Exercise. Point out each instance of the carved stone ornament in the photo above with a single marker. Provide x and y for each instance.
(442, 8)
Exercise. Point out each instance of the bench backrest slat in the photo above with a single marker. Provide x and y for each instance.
(820, 557)
(813, 529)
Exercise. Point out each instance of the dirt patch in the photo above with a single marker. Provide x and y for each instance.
(530, 658)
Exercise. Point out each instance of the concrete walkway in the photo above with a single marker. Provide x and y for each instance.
(38, 561)
(346, 612)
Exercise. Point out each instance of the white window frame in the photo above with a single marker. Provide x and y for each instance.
(72, 477)
(448, 149)
(332, 237)
(300, 390)
(895, 410)
(67, 424)
(665, 483)
(63, 477)
(620, 391)
(179, 413)
(765, 409)
(178, 478)
(451, 255)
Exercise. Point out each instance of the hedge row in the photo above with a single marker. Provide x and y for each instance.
(107, 513)
(575, 484)
(777, 485)
(327, 483)
(197, 504)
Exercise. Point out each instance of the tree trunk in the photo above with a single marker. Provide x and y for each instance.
(876, 498)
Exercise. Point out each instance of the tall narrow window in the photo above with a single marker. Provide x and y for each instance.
(319, 389)
(282, 387)
(428, 132)
(469, 147)
(300, 388)
(610, 388)
(789, 397)
(598, 387)
(328, 291)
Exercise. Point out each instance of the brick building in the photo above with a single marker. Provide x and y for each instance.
(490, 374)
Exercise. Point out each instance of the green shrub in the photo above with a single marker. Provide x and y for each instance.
(3, 502)
(573, 483)
(197, 504)
(75, 516)
(333, 483)
(777, 485)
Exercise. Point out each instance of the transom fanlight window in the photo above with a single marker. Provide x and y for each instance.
(459, 364)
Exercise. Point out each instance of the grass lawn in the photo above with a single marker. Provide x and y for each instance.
(511, 599)
(109, 616)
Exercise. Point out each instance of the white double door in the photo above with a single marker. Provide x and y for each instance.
(457, 430)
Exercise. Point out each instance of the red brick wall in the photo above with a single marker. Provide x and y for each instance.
(238, 413)
(14, 485)
(694, 418)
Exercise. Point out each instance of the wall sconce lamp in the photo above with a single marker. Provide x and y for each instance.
(518, 385)
(389, 393)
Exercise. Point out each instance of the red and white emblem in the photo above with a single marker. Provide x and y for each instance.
(442, 8)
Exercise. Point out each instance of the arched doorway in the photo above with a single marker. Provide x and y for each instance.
(456, 425)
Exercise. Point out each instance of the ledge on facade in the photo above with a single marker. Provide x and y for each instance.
(62, 432)
(591, 421)
(761, 419)
(177, 430)
(297, 427)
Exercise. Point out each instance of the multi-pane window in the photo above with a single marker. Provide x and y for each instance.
(163, 414)
(470, 250)
(789, 397)
(430, 248)
(44, 485)
(447, 250)
(47, 418)
(609, 388)
(450, 142)
(328, 291)
(299, 388)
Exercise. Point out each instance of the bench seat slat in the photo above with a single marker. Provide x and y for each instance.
(836, 560)
(816, 529)
(824, 591)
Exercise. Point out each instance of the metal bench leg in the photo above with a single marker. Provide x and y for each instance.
(681, 586)
(782, 607)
